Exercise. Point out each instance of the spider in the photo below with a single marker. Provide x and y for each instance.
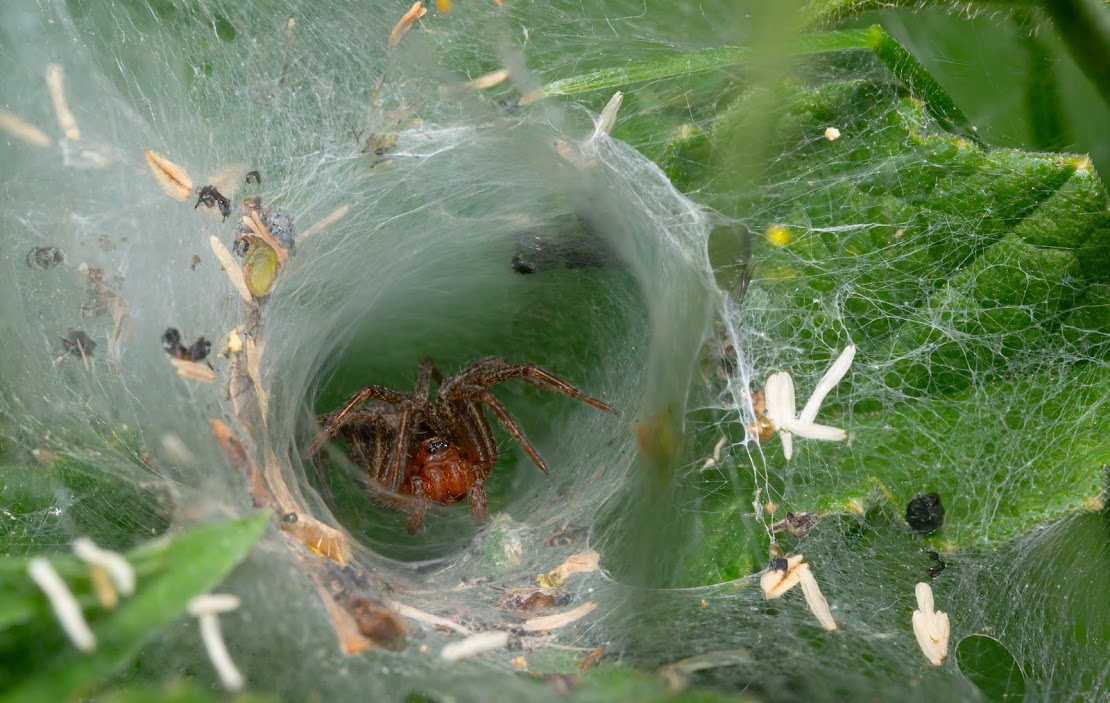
(419, 450)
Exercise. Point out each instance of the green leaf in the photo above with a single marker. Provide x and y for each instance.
(1083, 24)
(39, 663)
(991, 667)
(873, 39)
(973, 282)
(175, 692)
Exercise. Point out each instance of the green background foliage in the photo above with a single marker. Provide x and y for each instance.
(947, 119)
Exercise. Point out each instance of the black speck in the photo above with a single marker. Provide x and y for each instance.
(255, 175)
(925, 514)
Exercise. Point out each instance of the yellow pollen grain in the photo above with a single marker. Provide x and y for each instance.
(778, 235)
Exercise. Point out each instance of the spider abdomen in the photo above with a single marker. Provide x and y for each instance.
(445, 471)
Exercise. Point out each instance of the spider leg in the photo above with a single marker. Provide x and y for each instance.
(370, 450)
(467, 424)
(419, 506)
(394, 473)
(494, 370)
(367, 434)
(423, 381)
(477, 495)
(338, 418)
(510, 424)
(435, 371)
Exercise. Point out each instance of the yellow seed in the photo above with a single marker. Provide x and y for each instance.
(260, 267)
(778, 235)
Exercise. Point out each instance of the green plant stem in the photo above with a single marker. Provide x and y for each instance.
(1048, 125)
(1084, 26)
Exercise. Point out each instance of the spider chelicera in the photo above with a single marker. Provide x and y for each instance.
(418, 449)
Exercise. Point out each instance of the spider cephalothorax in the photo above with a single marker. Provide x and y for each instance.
(417, 449)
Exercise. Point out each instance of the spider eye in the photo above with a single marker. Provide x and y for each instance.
(435, 446)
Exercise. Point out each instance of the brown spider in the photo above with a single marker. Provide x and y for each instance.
(417, 449)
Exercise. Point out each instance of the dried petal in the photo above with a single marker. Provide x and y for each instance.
(779, 394)
(816, 602)
(192, 371)
(420, 616)
(814, 431)
(254, 223)
(331, 218)
(65, 605)
(243, 462)
(579, 563)
(552, 622)
(24, 130)
(326, 541)
(405, 24)
(776, 582)
(480, 83)
(171, 178)
(931, 628)
(609, 115)
(66, 120)
(475, 645)
(827, 383)
(231, 268)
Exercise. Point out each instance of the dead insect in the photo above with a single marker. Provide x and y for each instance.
(256, 175)
(418, 450)
(528, 599)
(79, 344)
(43, 258)
(379, 144)
(935, 569)
(171, 343)
(210, 197)
(797, 524)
